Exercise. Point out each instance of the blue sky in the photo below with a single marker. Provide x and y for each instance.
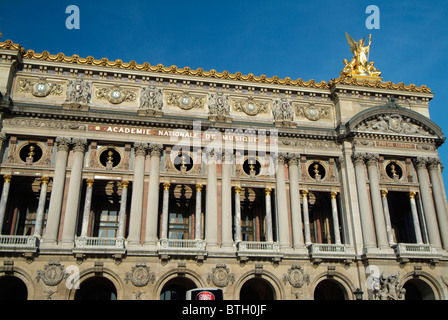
(296, 39)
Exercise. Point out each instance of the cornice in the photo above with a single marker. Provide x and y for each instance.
(201, 73)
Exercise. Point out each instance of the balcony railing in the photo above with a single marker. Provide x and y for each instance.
(327, 250)
(99, 245)
(414, 250)
(182, 244)
(10, 243)
(258, 246)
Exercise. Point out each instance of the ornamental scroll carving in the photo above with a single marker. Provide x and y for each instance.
(116, 94)
(391, 123)
(220, 276)
(312, 111)
(250, 106)
(40, 88)
(296, 277)
(140, 275)
(185, 100)
(52, 274)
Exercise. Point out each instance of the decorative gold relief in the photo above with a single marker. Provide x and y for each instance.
(40, 87)
(116, 94)
(250, 106)
(185, 100)
(238, 76)
(312, 112)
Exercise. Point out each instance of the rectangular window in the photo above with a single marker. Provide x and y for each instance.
(106, 217)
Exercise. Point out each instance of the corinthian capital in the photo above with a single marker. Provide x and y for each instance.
(63, 143)
(433, 163)
(420, 162)
(358, 157)
(155, 149)
(140, 148)
(372, 158)
(293, 158)
(79, 144)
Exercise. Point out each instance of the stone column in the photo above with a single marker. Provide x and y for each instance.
(428, 205)
(237, 214)
(123, 204)
(294, 195)
(418, 232)
(226, 207)
(87, 207)
(4, 200)
(269, 237)
(165, 204)
(74, 192)
(57, 193)
(282, 205)
(363, 201)
(306, 217)
(377, 206)
(198, 214)
(152, 213)
(41, 206)
(334, 210)
(211, 212)
(439, 202)
(135, 215)
(387, 218)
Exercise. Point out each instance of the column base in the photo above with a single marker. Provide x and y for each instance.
(228, 247)
(302, 250)
(66, 245)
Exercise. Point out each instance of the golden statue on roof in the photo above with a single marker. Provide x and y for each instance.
(359, 66)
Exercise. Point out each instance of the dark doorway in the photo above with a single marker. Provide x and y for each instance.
(257, 289)
(417, 289)
(12, 288)
(96, 288)
(176, 289)
(329, 290)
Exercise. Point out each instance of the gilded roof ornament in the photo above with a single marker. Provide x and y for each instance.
(345, 78)
(359, 66)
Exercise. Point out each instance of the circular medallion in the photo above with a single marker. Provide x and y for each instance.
(312, 113)
(115, 96)
(41, 89)
(250, 109)
(185, 101)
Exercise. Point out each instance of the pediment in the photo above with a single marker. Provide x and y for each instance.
(392, 119)
(393, 123)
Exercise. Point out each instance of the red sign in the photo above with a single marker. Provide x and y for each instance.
(205, 295)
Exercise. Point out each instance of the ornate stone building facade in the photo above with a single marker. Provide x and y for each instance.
(131, 181)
